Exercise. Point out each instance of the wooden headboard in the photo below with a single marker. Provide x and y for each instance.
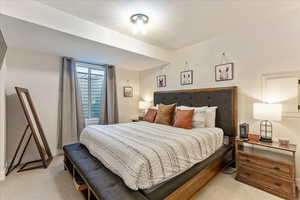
(224, 97)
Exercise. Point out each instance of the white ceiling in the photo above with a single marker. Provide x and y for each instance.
(176, 23)
(25, 35)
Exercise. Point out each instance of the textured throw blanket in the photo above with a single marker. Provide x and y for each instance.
(145, 154)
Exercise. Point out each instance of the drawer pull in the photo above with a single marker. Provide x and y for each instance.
(247, 174)
(278, 184)
(276, 168)
(247, 160)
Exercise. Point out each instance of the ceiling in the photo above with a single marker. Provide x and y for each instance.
(25, 35)
(176, 23)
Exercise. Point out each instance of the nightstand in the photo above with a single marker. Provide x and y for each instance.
(137, 120)
(267, 166)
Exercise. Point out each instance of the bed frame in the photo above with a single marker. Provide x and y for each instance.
(192, 187)
(226, 100)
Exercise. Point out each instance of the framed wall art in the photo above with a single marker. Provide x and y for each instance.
(128, 91)
(186, 77)
(224, 72)
(161, 81)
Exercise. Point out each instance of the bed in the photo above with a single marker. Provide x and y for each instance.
(146, 154)
(190, 157)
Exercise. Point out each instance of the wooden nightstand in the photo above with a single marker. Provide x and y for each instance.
(137, 120)
(267, 166)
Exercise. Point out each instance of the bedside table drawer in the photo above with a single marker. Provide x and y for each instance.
(273, 185)
(266, 166)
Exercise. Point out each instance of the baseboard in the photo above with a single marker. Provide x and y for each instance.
(2, 175)
(59, 152)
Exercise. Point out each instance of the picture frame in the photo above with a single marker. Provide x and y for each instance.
(186, 77)
(224, 72)
(161, 81)
(128, 91)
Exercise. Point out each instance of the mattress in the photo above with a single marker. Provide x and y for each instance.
(146, 154)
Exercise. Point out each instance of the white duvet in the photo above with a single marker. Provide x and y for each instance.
(145, 154)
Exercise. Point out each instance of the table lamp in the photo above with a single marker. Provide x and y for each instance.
(266, 113)
(143, 106)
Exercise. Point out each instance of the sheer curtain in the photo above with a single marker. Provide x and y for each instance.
(109, 104)
(71, 119)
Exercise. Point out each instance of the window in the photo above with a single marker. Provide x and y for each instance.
(283, 88)
(299, 95)
(90, 78)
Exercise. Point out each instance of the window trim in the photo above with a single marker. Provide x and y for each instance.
(94, 64)
(92, 121)
(287, 74)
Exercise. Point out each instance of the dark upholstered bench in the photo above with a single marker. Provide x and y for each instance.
(101, 183)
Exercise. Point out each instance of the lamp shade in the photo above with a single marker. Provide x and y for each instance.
(264, 111)
(144, 104)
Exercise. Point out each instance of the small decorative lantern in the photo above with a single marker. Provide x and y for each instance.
(266, 113)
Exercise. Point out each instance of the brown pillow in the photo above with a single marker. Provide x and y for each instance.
(150, 115)
(165, 114)
(184, 119)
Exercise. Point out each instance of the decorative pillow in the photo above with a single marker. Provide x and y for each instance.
(183, 119)
(152, 107)
(211, 117)
(199, 117)
(165, 114)
(150, 115)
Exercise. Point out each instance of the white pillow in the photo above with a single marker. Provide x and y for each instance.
(154, 107)
(199, 117)
(211, 117)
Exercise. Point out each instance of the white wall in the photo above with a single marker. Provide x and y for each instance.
(128, 106)
(40, 74)
(2, 120)
(267, 48)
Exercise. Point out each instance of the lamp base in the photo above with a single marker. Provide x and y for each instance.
(265, 139)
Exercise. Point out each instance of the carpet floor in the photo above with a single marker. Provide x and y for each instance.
(56, 184)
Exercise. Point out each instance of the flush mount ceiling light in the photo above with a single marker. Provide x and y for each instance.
(139, 22)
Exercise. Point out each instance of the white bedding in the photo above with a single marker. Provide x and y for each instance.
(145, 154)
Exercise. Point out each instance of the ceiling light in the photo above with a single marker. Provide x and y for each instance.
(139, 22)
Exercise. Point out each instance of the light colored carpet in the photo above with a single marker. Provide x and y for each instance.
(56, 184)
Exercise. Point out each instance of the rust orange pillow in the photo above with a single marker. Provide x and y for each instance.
(184, 119)
(150, 115)
(165, 114)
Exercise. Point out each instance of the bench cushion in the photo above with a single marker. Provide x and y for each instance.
(103, 182)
